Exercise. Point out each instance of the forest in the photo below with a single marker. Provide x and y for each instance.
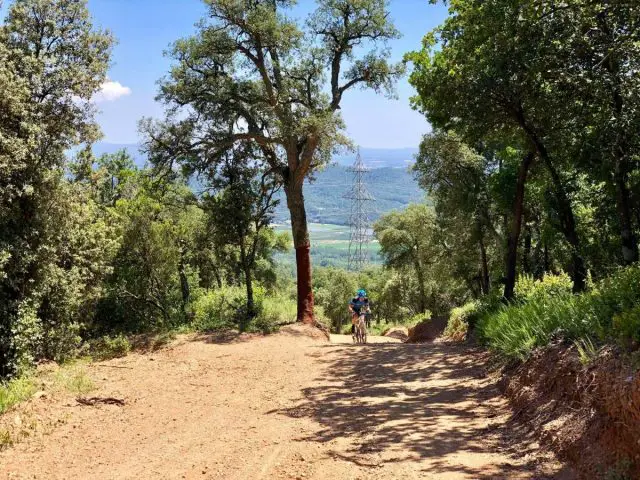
(531, 170)
(522, 233)
(94, 248)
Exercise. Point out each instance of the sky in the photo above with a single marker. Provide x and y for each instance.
(144, 29)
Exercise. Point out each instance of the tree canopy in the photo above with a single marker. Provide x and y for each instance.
(253, 74)
(553, 84)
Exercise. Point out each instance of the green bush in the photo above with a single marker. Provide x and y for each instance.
(626, 326)
(225, 308)
(273, 312)
(106, 347)
(218, 309)
(278, 309)
(609, 313)
(464, 318)
(528, 288)
(15, 391)
(458, 323)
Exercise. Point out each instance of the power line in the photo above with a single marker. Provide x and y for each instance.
(359, 221)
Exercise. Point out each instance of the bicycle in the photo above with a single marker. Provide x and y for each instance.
(360, 330)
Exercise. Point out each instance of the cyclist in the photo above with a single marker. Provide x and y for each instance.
(357, 306)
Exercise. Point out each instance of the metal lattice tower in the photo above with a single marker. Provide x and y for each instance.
(359, 220)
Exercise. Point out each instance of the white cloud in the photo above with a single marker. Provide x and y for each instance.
(111, 91)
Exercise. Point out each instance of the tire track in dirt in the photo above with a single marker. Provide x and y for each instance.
(285, 406)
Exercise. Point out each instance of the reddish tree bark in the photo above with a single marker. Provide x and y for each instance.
(300, 231)
(305, 290)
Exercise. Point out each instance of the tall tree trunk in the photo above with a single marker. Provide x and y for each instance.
(563, 207)
(568, 225)
(422, 290)
(547, 260)
(485, 285)
(216, 275)
(248, 281)
(184, 281)
(627, 236)
(611, 65)
(526, 251)
(302, 245)
(516, 224)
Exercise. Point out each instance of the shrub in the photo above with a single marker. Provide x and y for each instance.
(106, 347)
(551, 285)
(15, 391)
(273, 312)
(226, 308)
(609, 313)
(416, 319)
(218, 309)
(626, 327)
(279, 309)
(458, 323)
(464, 318)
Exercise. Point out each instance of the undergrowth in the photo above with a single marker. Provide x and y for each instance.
(608, 313)
(106, 348)
(225, 308)
(73, 378)
(15, 391)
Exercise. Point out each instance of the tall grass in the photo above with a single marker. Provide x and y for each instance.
(610, 312)
(71, 377)
(15, 391)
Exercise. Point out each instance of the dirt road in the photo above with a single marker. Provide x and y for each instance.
(284, 406)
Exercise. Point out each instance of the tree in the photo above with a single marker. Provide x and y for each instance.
(457, 179)
(407, 239)
(53, 62)
(489, 82)
(154, 270)
(600, 63)
(253, 75)
(240, 210)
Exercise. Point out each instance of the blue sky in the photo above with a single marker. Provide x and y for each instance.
(145, 28)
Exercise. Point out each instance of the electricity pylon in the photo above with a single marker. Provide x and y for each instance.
(359, 221)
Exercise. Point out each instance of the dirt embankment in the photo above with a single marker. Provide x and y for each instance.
(427, 331)
(588, 415)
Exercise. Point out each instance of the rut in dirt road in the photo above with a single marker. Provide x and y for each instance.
(284, 406)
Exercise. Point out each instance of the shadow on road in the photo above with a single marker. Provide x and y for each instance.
(400, 402)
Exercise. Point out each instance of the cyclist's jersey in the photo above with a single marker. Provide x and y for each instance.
(358, 305)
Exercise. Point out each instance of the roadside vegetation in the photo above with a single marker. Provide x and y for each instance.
(609, 312)
(533, 168)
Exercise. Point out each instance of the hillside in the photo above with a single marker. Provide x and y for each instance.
(393, 188)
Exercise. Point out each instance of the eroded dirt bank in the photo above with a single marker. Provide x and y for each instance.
(285, 406)
(589, 415)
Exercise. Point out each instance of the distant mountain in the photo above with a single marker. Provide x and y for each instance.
(380, 157)
(389, 182)
(373, 157)
(392, 189)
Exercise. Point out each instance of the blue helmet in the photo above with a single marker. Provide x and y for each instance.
(361, 293)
